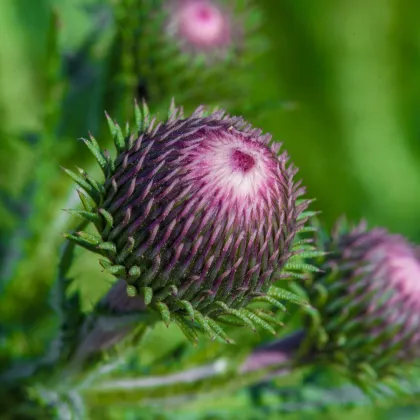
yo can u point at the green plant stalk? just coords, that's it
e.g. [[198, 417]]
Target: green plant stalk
[[117, 316], [264, 363]]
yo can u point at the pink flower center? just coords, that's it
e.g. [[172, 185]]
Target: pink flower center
[[204, 13], [400, 268], [202, 23], [236, 170], [406, 270], [242, 161]]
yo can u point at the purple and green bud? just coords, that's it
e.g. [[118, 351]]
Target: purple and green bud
[[198, 215], [368, 302]]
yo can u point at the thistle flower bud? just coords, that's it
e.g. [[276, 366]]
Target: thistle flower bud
[[369, 302], [199, 26], [171, 44], [197, 214]]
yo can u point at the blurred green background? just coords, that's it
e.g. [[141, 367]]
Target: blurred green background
[[346, 73]]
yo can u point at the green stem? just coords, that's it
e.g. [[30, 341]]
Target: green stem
[[268, 361]]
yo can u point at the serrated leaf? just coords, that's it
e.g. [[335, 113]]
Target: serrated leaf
[[86, 200], [278, 293], [164, 312], [134, 271], [259, 321], [108, 246], [308, 254], [99, 155], [236, 313], [109, 220], [81, 242], [147, 293], [137, 116], [187, 330], [119, 139], [83, 184], [218, 330], [293, 275], [307, 214], [85, 215], [116, 270], [88, 237], [302, 267], [270, 300], [202, 320], [188, 307]]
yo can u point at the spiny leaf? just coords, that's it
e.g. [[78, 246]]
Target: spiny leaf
[[119, 140], [278, 293], [81, 242], [137, 116], [109, 220], [86, 200], [112, 125], [237, 314], [116, 270], [93, 146], [166, 291], [199, 317], [83, 184], [308, 254], [127, 250], [267, 317], [257, 320], [134, 272], [85, 215], [92, 239], [145, 120], [308, 229], [95, 184], [147, 293], [271, 300], [293, 275], [164, 312], [108, 246], [188, 307], [187, 330], [302, 267], [307, 214], [218, 329]]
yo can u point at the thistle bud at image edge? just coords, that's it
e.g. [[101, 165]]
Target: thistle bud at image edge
[[368, 298]]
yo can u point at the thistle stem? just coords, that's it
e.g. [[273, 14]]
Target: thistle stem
[[275, 353], [116, 317], [266, 362]]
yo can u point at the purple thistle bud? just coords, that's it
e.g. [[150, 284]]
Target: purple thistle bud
[[198, 214], [371, 306], [199, 25]]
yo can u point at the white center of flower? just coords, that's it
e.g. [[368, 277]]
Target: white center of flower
[[234, 169], [201, 22]]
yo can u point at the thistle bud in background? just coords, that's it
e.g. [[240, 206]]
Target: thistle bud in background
[[201, 26], [172, 44], [198, 215], [368, 303]]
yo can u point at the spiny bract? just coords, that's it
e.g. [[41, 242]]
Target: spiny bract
[[368, 300], [198, 214]]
